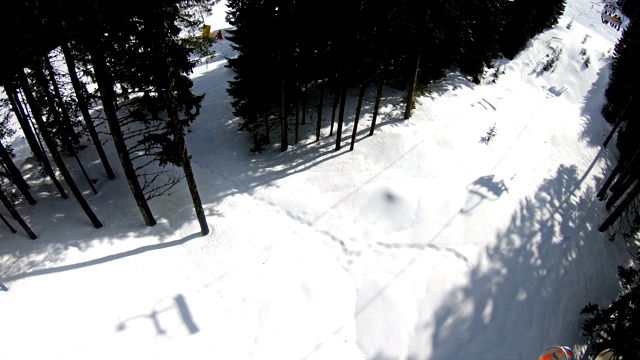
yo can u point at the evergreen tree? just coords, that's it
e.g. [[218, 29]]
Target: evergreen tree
[[617, 326], [624, 85], [479, 26], [526, 19]]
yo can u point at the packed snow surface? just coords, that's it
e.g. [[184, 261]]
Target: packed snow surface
[[425, 242]]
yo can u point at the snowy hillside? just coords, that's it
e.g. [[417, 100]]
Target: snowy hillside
[[423, 243]]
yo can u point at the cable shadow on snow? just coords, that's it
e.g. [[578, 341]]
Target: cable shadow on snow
[[546, 255], [8, 275]]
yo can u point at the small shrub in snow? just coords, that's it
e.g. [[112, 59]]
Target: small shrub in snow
[[584, 40], [552, 62], [587, 62], [491, 133], [570, 25], [496, 73]]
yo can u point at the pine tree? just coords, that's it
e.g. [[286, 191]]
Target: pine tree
[[51, 145], [81, 98], [617, 326]]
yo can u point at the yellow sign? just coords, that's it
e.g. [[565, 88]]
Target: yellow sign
[[206, 31]]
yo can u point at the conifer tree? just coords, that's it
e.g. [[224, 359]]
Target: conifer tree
[[81, 98], [51, 145]]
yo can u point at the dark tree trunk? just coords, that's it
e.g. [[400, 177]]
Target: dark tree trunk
[[7, 223], [297, 121], [64, 114], [105, 84], [622, 178], [267, 129], [191, 183], [24, 124], [57, 158], [336, 100], [12, 210], [284, 136], [607, 183], [619, 210], [376, 107], [181, 145], [59, 119], [16, 176], [363, 88], [621, 190], [320, 106], [304, 104], [619, 121], [343, 100], [411, 90], [84, 109], [34, 144]]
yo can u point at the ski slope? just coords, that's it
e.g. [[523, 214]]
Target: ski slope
[[422, 243]]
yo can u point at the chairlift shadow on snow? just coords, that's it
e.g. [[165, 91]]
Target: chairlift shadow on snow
[[170, 318], [482, 189]]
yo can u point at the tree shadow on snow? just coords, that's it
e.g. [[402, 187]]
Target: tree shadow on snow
[[522, 297], [594, 127]]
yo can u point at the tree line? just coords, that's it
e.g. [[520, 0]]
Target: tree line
[[295, 56], [138, 51], [616, 326]]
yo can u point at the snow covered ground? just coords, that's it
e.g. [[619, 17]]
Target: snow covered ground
[[422, 243]]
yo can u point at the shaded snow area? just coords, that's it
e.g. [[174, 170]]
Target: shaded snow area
[[425, 242]]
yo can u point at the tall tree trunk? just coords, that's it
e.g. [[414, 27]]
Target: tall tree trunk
[[78, 88], [622, 178], [7, 223], [24, 123], [267, 129], [33, 142], [320, 106], [105, 84], [376, 106], [297, 121], [178, 136], [64, 114], [284, 135], [191, 183], [343, 100], [608, 182], [363, 88], [619, 210], [57, 158], [619, 121], [621, 190], [304, 104], [59, 119], [186, 166], [336, 100], [16, 176], [411, 90], [12, 210]]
